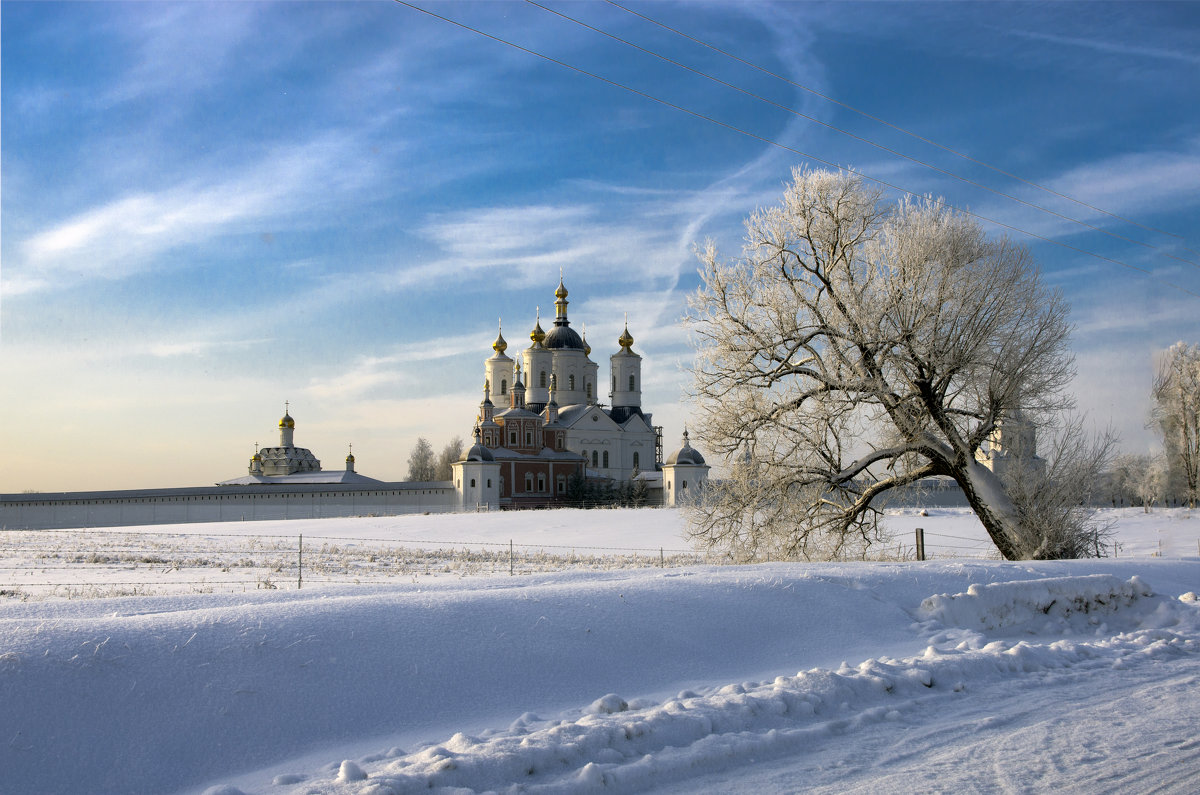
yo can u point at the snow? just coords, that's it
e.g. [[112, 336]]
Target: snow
[[610, 674]]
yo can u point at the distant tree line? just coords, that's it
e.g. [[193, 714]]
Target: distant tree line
[[424, 466]]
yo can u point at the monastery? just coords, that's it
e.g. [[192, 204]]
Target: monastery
[[546, 439]]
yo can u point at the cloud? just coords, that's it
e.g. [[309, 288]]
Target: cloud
[[129, 234], [180, 48], [1111, 47]]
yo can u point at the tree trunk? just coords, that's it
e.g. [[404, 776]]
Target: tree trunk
[[987, 497]]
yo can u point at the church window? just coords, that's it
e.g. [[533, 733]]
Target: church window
[[503, 386], [512, 437], [606, 459], [542, 379], [595, 459], [489, 483], [571, 381], [562, 484], [589, 390], [635, 459], [541, 481], [528, 438], [631, 382], [614, 384], [683, 484], [528, 481], [472, 482]]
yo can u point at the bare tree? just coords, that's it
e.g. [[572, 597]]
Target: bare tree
[[450, 453], [857, 347], [1177, 413], [421, 467]]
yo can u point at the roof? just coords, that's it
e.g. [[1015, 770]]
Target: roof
[[321, 476]]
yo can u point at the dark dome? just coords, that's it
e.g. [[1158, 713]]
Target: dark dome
[[686, 454], [563, 337], [479, 453]]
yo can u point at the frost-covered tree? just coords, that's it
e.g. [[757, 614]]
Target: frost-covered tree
[[856, 347], [421, 465], [450, 453], [1177, 413]]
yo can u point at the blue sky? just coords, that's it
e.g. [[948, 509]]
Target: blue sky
[[209, 209]]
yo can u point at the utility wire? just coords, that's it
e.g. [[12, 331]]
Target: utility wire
[[785, 147], [895, 127], [862, 139]]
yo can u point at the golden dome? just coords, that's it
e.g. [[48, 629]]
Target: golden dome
[[561, 292], [500, 345], [537, 335], [587, 349], [287, 421], [626, 339]]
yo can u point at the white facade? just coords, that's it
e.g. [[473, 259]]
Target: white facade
[[684, 474], [1011, 449], [616, 441]]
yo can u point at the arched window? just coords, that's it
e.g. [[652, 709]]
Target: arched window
[[589, 390], [635, 459], [489, 483], [528, 438], [541, 481], [571, 382], [529, 481], [472, 482], [562, 484], [503, 386], [542, 379], [606, 459], [614, 384], [631, 382], [683, 484], [595, 459]]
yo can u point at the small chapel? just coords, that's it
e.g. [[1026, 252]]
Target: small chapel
[[541, 426]]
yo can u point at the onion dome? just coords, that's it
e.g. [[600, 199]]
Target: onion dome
[[626, 339], [350, 455], [686, 454], [587, 349], [478, 451], [287, 421], [537, 335], [501, 344]]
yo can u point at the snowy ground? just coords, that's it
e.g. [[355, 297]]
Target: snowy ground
[[595, 670]]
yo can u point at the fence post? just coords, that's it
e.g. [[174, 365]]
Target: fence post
[[662, 561], [510, 558], [920, 543], [300, 564]]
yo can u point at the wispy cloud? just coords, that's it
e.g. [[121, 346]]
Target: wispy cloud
[[1111, 47], [180, 48], [130, 234]]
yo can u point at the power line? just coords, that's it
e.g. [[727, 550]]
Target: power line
[[895, 127], [861, 138], [785, 147]]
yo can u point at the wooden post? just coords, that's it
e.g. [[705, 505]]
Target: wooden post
[[510, 558], [300, 564], [920, 543], [662, 561]]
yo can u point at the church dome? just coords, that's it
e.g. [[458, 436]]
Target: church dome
[[564, 337], [287, 421], [686, 454], [478, 452]]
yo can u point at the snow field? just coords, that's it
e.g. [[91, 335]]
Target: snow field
[[620, 746], [630, 679]]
